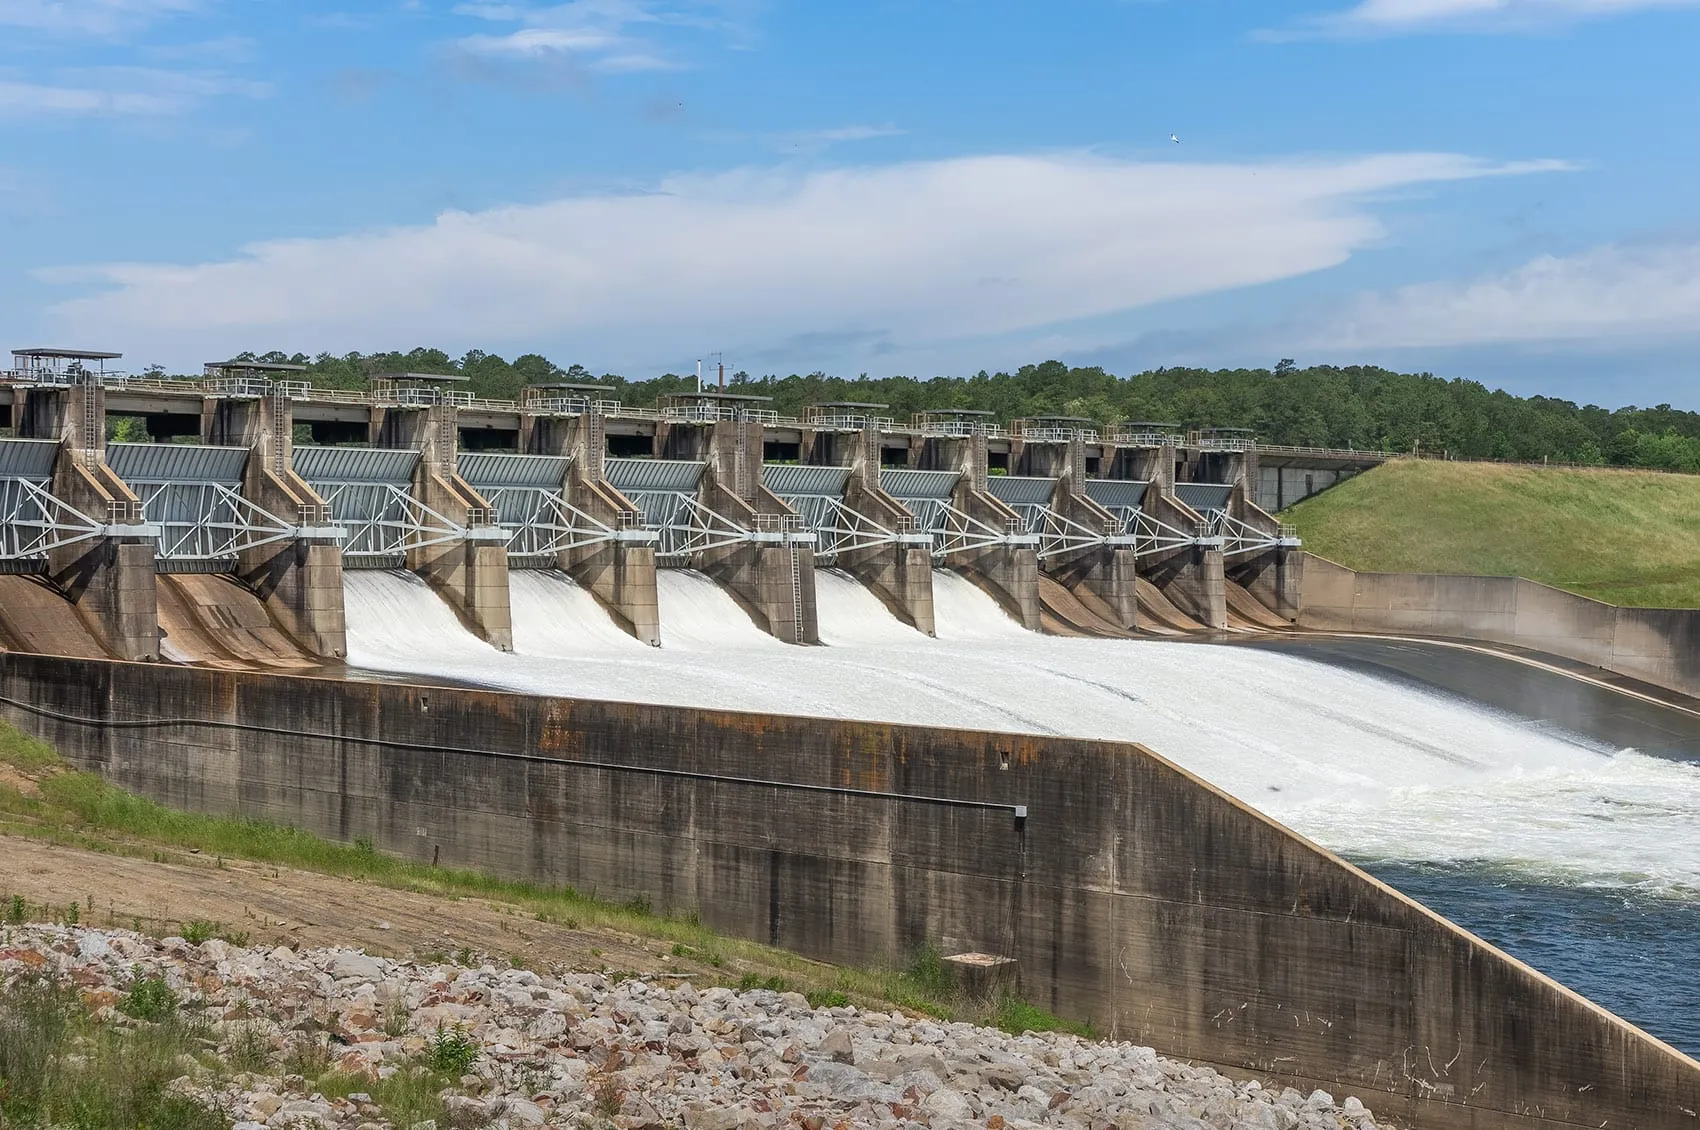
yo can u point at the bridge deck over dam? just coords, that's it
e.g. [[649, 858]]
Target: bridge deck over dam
[[256, 476]]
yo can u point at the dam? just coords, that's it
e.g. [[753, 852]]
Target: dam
[[997, 609]]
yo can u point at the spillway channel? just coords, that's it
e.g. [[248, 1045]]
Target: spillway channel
[[1451, 798]]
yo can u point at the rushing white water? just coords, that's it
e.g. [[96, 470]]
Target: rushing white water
[[1368, 767]]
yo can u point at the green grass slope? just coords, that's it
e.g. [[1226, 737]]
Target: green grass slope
[[1626, 537]]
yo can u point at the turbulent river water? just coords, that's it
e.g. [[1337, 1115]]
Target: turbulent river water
[[1571, 840]]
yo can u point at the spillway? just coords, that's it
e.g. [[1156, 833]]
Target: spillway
[[1370, 767]]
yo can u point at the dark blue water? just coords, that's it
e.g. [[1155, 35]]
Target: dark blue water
[[1637, 955], [1633, 952]]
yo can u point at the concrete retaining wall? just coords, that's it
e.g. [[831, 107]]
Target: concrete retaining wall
[[1660, 646], [1131, 893]]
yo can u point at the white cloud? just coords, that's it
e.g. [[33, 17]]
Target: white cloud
[[817, 139], [90, 17], [1391, 17], [917, 253], [1609, 292], [118, 92], [610, 36]]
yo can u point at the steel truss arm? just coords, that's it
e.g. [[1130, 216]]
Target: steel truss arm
[[954, 531], [1151, 535], [1059, 534], [203, 521], [840, 529], [33, 523], [388, 520], [685, 526], [541, 522], [1241, 537]]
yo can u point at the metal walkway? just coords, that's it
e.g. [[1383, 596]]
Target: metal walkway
[[527, 492], [817, 495]]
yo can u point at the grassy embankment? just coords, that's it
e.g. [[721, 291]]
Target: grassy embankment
[[1625, 537], [43, 798]]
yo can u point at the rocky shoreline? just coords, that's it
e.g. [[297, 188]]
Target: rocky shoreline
[[289, 1038]]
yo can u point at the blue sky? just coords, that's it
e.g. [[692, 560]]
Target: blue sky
[[1499, 189]]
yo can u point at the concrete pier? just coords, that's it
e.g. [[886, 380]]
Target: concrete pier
[[1258, 557], [771, 572], [298, 579], [620, 574], [1189, 576], [1103, 576], [773, 577], [1008, 571], [899, 573], [471, 572], [109, 578]]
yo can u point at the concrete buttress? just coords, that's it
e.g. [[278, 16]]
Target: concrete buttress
[[772, 577], [620, 575], [108, 578], [900, 574], [470, 573], [1009, 572], [1102, 576], [299, 580]]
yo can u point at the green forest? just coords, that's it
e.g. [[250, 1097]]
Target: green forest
[[1323, 405]]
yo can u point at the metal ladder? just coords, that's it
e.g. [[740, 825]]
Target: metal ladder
[[595, 443], [279, 440], [94, 420], [796, 597], [740, 475]]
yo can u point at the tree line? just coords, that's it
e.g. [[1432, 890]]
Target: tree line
[[1317, 406]]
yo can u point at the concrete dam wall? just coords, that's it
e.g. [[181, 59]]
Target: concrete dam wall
[[1660, 646], [1131, 892]]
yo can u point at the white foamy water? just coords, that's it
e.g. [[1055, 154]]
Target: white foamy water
[[1368, 767]]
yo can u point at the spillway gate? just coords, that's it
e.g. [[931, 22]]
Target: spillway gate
[[34, 522], [1235, 537], [1032, 498], [928, 495], [539, 522], [1149, 535], [668, 494], [369, 491], [817, 495], [192, 493]]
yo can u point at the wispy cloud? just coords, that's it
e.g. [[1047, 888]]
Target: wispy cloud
[[602, 36], [913, 253], [1608, 292], [101, 18], [813, 140], [1372, 18], [118, 92]]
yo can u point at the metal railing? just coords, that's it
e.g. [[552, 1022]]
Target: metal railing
[[243, 388], [1340, 453], [1208, 441], [847, 422], [960, 429], [712, 413], [1144, 439]]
